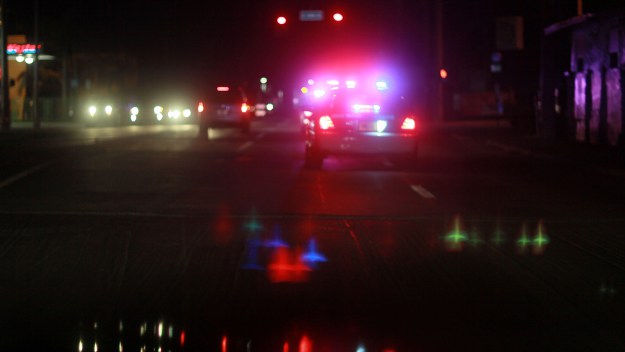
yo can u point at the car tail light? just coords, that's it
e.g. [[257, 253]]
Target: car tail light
[[200, 107], [308, 113], [245, 107], [325, 122], [409, 124]]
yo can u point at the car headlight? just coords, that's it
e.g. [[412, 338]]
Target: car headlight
[[186, 113], [108, 110], [92, 110], [134, 110]]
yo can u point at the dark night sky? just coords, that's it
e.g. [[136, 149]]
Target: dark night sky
[[194, 40]]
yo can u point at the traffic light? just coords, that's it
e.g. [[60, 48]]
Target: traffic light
[[338, 17], [281, 20], [443, 73]]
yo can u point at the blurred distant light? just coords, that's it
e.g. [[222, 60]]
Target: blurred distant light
[[80, 347], [263, 80], [285, 347], [308, 113], [311, 82], [159, 116], [19, 58], [224, 344], [350, 84], [133, 118], [269, 107], [381, 85], [134, 110], [360, 349], [158, 110], [443, 73], [333, 82], [95, 347], [281, 20], [244, 107], [186, 112], [304, 90], [182, 338], [92, 110], [337, 17], [223, 89], [200, 107], [160, 329], [29, 59], [319, 93], [121, 347], [108, 110], [325, 122]]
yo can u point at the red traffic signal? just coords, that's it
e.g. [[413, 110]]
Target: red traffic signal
[[338, 17]]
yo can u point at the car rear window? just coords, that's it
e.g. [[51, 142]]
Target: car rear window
[[232, 96]]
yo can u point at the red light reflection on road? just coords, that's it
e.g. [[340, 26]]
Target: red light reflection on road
[[224, 344], [285, 347], [223, 226], [305, 344], [287, 266]]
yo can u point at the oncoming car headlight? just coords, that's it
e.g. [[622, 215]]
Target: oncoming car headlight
[[92, 110]]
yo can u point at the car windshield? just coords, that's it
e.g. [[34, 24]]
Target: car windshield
[[314, 175]]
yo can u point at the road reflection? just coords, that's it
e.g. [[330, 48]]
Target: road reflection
[[458, 238]]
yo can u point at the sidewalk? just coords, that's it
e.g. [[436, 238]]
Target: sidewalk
[[500, 135]]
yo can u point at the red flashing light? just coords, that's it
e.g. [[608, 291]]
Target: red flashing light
[[281, 20], [337, 17]]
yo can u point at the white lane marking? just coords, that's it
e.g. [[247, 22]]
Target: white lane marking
[[245, 146], [422, 191], [24, 173]]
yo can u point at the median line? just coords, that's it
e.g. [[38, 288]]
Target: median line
[[245, 146], [25, 173], [422, 191]]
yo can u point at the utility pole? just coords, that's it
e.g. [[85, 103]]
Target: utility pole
[[36, 120], [440, 53], [5, 110]]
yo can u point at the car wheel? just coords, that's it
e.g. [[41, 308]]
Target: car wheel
[[314, 159]]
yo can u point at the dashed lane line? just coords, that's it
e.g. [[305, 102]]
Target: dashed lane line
[[25, 173], [422, 191]]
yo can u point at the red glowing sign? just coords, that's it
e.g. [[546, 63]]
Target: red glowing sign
[[19, 49]]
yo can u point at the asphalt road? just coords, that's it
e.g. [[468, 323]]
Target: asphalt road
[[150, 237]]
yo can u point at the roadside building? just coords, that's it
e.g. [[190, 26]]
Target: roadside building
[[583, 70]]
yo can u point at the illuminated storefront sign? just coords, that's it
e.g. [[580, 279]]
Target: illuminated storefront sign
[[22, 49]]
